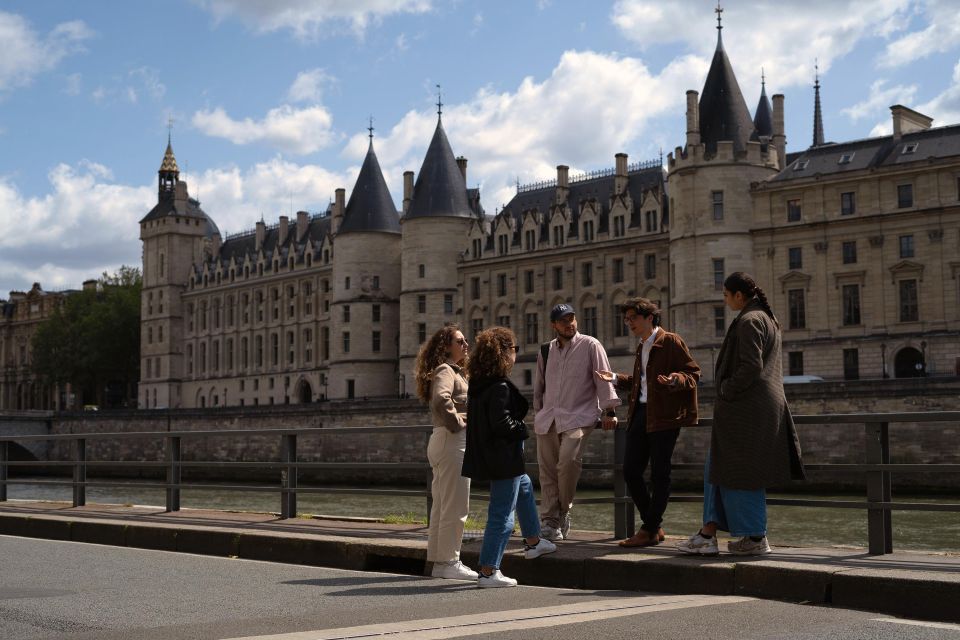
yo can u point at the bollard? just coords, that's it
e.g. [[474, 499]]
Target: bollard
[[623, 513], [80, 473], [879, 519], [173, 472], [288, 476]]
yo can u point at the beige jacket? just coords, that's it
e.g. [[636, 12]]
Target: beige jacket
[[448, 398]]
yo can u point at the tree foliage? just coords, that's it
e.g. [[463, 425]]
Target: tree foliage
[[93, 338]]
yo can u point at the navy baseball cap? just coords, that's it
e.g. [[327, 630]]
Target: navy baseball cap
[[560, 310]]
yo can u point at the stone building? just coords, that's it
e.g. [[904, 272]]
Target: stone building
[[855, 243]]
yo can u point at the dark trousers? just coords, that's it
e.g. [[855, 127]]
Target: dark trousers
[[655, 449]]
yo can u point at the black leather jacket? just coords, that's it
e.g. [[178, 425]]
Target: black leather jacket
[[495, 430]]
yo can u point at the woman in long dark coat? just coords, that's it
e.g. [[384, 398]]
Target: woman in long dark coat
[[754, 443]]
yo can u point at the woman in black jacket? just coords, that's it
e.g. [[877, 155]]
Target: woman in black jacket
[[495, 435]]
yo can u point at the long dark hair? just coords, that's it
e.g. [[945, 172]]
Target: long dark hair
[[740, 282]]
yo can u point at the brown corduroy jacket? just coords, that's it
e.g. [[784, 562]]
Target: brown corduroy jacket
[[668, 406]]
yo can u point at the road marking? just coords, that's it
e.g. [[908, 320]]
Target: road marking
[[502, 621], [920, 623]]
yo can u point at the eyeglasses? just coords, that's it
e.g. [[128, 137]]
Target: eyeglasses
[[515, 347]]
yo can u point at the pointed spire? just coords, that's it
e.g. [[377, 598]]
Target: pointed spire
[[763, 116], [371, 206], [817, 115], [440, 190], [723, 111], [439, 103]]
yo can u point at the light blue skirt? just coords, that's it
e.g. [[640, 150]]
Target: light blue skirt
[[742, 513]]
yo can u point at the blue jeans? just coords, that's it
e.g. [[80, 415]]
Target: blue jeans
[[507, 496], [739, 511]]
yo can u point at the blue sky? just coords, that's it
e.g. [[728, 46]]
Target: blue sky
[[270, 98]]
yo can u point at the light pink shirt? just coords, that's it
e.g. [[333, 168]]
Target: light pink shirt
[[573, 394]]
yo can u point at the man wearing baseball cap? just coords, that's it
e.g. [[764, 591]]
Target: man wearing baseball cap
[[568, 399]]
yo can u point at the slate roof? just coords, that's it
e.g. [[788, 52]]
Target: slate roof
[[239, 246], [371, 206], [723, 111], [763, 117], [941, 142], [440, 190], [167, 207]]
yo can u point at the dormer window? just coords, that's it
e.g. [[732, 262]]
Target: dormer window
[[910, 148], [846, 158], [800, 165]]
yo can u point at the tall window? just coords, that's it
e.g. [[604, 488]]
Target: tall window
[[229, 354], [851, 364], [909, 307], [904, 196], [475, 288], [851, 304], [274, 349], [619, 227], [848, 203], [189, 359], [906, 246], [476, 326], [795, 363], [476, 246], [557, 278], [530, 239], [717, 198], [501, 284], [590, 321], [376, 342], [588, 231], [617, 270], [719, 321], [650, 266], [375, 313], [308, 345], [718, 276], [376, 282], [422, 270], [244, 353], [421, 332], [346, 342], [530, 326], [797, 306], [502, 243], [528, 281], [448, 303], [651, 217], [558, 236], [346, 282], [850, 252], [346, 313], [586, 274], [503, 321], [203, 358], [421, 304], [620, 329], [793, 210], [291, 351], [795, 258], [325, 343], [258, 347]]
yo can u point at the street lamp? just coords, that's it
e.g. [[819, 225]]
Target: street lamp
[[401, 385], [883, 361], [923, 358]]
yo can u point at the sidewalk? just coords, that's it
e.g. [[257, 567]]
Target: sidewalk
[[916, 585]]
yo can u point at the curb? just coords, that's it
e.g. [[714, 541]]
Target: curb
[[918, 594]]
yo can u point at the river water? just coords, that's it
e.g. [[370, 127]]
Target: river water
[[913, 530]]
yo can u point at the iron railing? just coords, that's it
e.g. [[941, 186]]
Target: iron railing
[[877, 469]]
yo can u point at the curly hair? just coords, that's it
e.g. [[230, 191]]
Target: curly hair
[[490, 357], [433, 353], [740, 282]]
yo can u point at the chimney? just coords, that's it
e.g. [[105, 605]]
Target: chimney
[[338, 209], [779, 136], [693, 118], [217, 242], [284, 227], [89, 285], [407, 190], [906, 120], [462, 163], [261, 233], [620, 174], [180, 196], [563, 183], [303, 221]]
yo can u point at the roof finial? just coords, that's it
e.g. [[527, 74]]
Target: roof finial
[[816, 73], [818, 138], [718, 11], [169, 128], [370, 129], [763, 79], [439, 102]]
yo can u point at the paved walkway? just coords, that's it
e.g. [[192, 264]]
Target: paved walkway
[[919, 585]]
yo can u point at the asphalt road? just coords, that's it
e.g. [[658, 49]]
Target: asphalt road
[[51, 589]]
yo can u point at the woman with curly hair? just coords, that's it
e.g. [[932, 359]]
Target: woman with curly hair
[[495, 435], [442, 385]]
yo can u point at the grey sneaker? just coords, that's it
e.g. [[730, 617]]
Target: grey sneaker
[[565, 526], [699, 546], [550, 533], [495, 579], [747, 547]]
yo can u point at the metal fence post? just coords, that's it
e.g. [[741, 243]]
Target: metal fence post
[[173, 472], [4, 458], [288, 476], [429, 475], [623, 514], [80, 472], [879, 489]]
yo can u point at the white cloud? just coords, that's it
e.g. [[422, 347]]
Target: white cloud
[[308, 19], [945, 108], [881, 97], [308, 86], [590, 107], [73, 84], [782, 37], [941, 34], [149, 79], [299, 131], [27, 54]]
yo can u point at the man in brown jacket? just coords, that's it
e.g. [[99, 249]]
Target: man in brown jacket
[[663, 398]]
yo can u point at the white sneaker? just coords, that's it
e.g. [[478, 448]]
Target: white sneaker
[[550, 533], [747, 547], [565, 526], [698, 545], [495, 579], [453, 571], [542, 548]]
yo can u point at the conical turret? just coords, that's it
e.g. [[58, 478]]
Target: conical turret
[[370, 207], [723, 111], [440, 190], [763, 117]]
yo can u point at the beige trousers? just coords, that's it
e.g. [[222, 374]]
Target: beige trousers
[[560, 457], [451, 495]]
